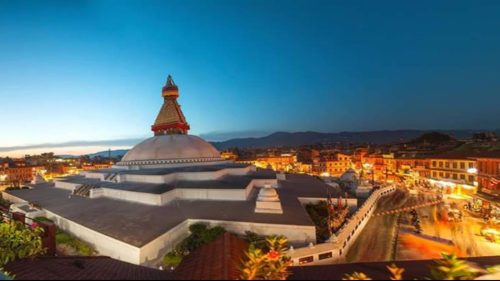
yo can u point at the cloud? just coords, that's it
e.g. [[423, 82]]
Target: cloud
[[72, 148], [223, 136]]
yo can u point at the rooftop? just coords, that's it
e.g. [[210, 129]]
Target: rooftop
[[138, 224], [82, 268]]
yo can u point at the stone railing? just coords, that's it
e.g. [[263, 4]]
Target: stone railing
[[340, 243]]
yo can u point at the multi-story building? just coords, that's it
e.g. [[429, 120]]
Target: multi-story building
[[381, 166], [336, 165], [488, 173], [21, 174], [96, 166], [283, 162], [458, 173], [419, 166]]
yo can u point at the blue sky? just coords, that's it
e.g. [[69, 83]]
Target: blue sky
[[93, 70]]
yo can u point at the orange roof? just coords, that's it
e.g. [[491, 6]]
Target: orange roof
[[219, 260]]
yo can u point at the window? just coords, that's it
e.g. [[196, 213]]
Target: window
[[440, 164], [471, 165], [462, 177], [447, 164], [433, 163], [305, 260], [455, 165], [462, 165], [447, 175], [325, 256], [471, 178], [455, 176], [441, 174]]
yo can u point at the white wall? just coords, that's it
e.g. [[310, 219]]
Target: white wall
[[347, 235], [66, 185], [105, 245]]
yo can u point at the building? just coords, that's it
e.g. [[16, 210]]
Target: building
[[18, 175], [142, 207], [229, 155], [336, 165], [382, 167], [456, 174], [488, 173], [284, 162]]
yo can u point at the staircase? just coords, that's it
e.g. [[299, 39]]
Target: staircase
[[111, 177], [84, 190]]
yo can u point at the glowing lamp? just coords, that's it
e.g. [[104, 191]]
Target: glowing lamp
[[472, 171]]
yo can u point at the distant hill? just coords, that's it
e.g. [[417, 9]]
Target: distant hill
[[433, 138], [104, 154], [309, 138]]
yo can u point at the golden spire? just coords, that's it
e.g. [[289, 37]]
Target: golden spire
[[170, 89]]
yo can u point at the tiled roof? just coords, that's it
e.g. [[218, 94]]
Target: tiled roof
[[82, 268], [219, 260]]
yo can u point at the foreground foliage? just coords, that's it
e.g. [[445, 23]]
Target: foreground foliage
[[267, 265], [18, 242], [448, 268]]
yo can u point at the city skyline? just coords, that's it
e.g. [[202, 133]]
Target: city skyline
[[99, 76]]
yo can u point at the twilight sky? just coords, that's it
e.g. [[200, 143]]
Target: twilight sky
[[74, 71]]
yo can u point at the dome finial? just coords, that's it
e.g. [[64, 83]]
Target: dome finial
[[170, 81]]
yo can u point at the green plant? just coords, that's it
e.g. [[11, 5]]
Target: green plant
[[200, 235], [258, 241], [267, 265], [452, 268], [356, 276], [17, 242], [172, 259], [63, 238]]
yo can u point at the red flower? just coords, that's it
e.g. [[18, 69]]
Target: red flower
[[34, 225], [273, 255]]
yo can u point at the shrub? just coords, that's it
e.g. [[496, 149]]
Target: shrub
[[201, 234], [63, 238], [172, 259], [267, 265], [18, 241]]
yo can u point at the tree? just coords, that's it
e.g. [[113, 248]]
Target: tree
[[267, 265], [18, 242]]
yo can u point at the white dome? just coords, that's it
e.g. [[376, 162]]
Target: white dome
[[184, 148]]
